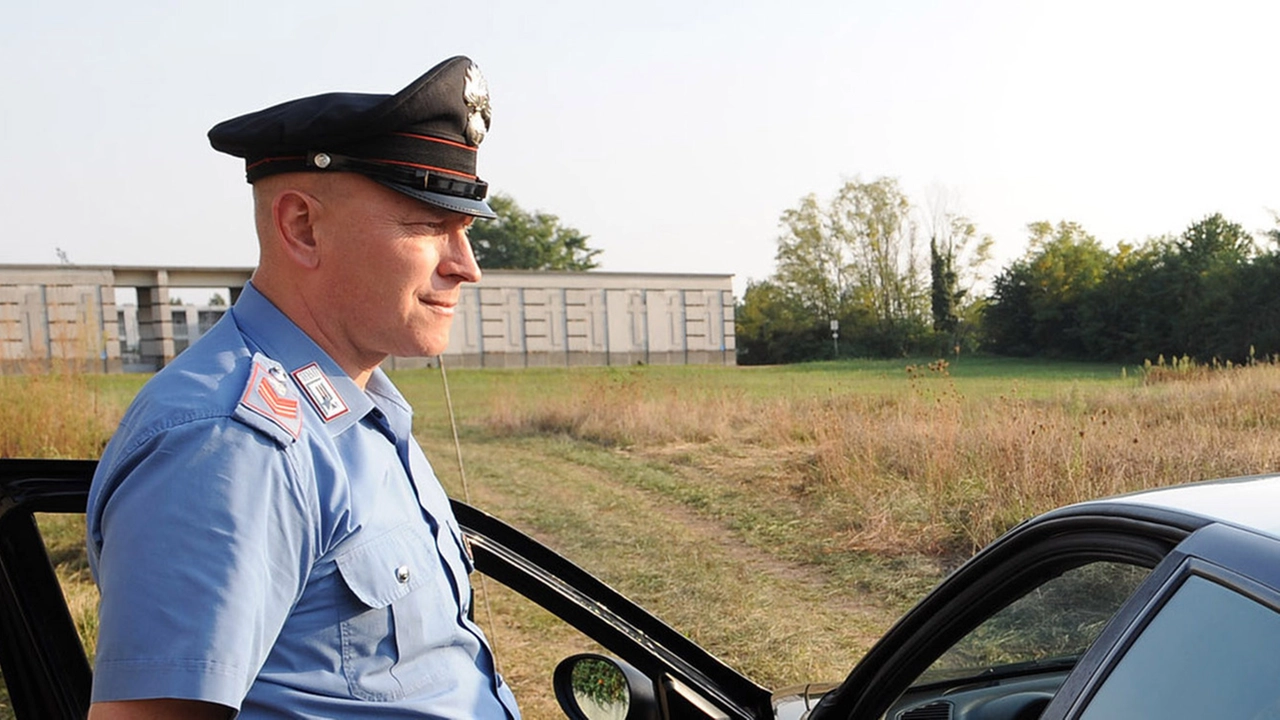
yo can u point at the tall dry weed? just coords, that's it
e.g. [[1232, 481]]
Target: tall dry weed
[[929, 470], [620, 410], [54, 415]]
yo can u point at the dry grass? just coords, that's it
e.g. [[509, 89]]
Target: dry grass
[[56, 415], [622, 410], [782, 517], [930, 470]]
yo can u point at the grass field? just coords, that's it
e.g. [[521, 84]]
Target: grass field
[[783, 517]]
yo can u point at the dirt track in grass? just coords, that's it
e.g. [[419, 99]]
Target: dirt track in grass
[[779, 622]]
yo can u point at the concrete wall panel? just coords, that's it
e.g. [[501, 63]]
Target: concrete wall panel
[[511, 319]]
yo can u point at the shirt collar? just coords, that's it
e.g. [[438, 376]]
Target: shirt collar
[[388, 399], [277, 337]]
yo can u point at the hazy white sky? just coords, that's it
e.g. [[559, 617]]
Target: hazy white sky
[[673, 133]]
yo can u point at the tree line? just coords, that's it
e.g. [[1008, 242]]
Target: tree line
[[1208, 293], [850, 281]]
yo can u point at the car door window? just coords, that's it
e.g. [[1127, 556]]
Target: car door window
[[1049, 626], [1210, 652]]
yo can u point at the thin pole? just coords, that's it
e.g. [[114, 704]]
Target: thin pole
[[466, 495]]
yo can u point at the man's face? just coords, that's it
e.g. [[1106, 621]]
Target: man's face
[[395, 266]]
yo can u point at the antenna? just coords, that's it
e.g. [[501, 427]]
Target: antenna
[[466, 496]]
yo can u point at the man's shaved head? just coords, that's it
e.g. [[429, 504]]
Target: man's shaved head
[[265, 191]]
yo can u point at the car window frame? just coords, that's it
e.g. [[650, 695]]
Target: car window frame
[[1006, 570], [1228, 556], [42, 659], [1027, 658]]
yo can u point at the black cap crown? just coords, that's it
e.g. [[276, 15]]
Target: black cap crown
[[421, 141]]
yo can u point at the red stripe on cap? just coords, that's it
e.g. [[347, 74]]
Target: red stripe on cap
[[442, 141], [425, 167], [253, 165]]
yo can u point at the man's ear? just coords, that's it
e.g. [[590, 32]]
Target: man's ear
[[295, 213]]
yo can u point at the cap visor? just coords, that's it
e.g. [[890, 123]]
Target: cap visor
[[466, 206]]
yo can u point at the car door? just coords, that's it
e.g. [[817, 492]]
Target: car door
[[48, 676], [689, 681], [999, 637]]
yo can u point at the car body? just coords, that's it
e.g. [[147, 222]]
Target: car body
[[1160, 604]]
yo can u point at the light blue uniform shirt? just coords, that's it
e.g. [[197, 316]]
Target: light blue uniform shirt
[[269, 537]]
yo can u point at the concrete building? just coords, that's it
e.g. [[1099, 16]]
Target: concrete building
[[67, 316]]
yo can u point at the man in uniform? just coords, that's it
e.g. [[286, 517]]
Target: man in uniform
[[266, 533]]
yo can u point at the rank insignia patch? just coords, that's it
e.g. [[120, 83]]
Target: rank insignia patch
[[320, 391], [268, 394]]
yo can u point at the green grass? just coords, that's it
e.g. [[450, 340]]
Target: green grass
[[479, 395], [766, 380]]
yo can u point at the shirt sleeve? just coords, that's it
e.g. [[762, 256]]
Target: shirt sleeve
[[205, 537]]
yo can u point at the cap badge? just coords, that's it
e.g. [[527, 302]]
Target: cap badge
[[475, 93]]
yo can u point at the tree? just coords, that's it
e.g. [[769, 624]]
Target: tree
[[775, 326], [812, 261], [874, 221], [1206, 264], [855, 261], [520, 240], [1215, 241], [944, 296], [1008, 325], [957, 254], [1273, 234], [1117, 319], [1036, 302]]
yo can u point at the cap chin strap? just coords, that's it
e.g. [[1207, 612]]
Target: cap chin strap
[[414, 177]]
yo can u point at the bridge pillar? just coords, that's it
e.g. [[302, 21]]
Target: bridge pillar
[[155, 322]]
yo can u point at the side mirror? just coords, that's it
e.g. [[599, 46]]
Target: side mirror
[[595, 687]]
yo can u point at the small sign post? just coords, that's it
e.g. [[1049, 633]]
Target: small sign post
[[835, 336]]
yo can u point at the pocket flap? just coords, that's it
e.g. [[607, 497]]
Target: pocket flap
[[387, 568]]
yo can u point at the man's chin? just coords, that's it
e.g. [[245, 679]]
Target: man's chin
[[432, 347], [432, 339]]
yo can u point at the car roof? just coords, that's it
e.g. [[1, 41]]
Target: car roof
[[1247, 502]]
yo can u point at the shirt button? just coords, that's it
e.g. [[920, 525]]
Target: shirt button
[[402, 574]]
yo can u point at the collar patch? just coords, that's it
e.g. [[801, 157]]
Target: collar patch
[[320, 391], [267, 394]]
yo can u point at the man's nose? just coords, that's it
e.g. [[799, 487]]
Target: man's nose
[[460, 260]]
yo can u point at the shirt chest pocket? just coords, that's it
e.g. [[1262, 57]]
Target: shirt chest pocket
[[402, 614]]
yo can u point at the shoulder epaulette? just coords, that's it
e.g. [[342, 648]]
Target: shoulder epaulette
[[270, 401]]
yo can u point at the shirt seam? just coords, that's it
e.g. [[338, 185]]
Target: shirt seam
[[220, 668], [165, 423]]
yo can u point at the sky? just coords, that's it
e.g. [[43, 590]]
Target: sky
[[673, 133]]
